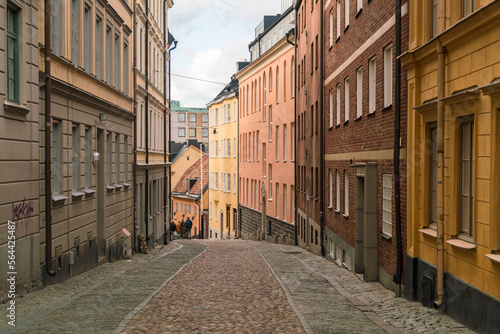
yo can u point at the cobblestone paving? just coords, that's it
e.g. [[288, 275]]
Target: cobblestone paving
[[98, 300], [229, 289], [376, 302]]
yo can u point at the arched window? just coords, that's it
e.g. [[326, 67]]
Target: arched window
[[277, 84], [284, 81], [248, 101], [293, 76], [270, 79]]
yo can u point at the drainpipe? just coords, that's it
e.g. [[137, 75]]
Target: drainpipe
[[397, 130], [134, 232], [48, 141], [164, 126], [169, 127], [146, 195], [322, 144], [440, 173]]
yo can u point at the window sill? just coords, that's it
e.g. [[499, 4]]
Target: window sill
[[358, 13], [461, 244], [76, 193], [316, 199], [429, 231], [358, 118], [118, 186], [329, 207], [493, 257], [15, 107], [345, 215], [346, 28], [337, 125], [126, 185], [58, 198], [270, 199], [387, 107], [89, 191], [338, 37], [370, 113], [385, 236], [110, 187], [330, 128], [346, 122], [337, 211], [330, 48]]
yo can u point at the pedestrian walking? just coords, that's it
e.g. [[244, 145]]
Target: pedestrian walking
[[189, 226], [183, 229], [173, 229]]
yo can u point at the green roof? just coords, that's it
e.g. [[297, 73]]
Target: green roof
[[176, 107]]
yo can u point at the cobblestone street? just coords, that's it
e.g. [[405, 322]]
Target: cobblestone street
[[223, 287]]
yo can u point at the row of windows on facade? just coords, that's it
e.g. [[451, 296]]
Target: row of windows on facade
[[186, 208], [225, 146], [267, 44], [314, 236], [250, 144], [181, 117], [225, 114], [181, 132], [225, 182], [213, 213], [302, 16], [250, 196], [335, 100], [156, 123], [253, 97], [102, 34], [115, 178]]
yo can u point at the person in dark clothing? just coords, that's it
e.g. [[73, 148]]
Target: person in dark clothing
[[173, 228], [183, 229], [189, 226]]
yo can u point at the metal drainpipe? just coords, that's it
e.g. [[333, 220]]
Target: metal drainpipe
[[48, 161], [134, 232], [146, 195], [397, 130], [164, 127], [440, 173], [322, 145], [169, 127]]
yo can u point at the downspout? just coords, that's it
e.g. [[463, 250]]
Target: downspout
[[397, 130], [164, 126], [146, 195], [322, 143], [135, 227], [48, 141], [169, 130], [440, 173]]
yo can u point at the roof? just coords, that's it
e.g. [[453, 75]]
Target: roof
[[231, 88], [193, 172]]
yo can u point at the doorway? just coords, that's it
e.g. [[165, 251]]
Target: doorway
[[228, 221], [221, 223]]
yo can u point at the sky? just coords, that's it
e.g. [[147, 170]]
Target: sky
[[212, 36]]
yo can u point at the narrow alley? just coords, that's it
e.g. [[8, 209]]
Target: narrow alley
[[231, 286]]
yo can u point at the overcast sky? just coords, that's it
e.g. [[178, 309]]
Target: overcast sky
[[213, 35]]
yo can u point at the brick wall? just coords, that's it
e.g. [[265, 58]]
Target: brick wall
[[251, 222]]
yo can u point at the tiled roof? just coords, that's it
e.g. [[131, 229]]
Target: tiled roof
[[193, 172]]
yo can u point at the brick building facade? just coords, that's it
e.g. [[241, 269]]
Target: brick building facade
[[359, 99]]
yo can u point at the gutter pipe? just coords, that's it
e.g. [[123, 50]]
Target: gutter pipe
[[397, 131], [146, 195], [164, 128], [135, 227], [322, 144], [169, 130], [48, 160]]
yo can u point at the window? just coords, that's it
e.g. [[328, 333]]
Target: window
[[217, 148], [117, 158], [466, 180], [338, 104], [277, 84], [346, 193], [86, 39], [182, 132], [192, 133], [277, 143], [293, 141], [181, 117], [192, 118], [75, 16], [270, 181], [125, 69], [285, 139], [387, 204], [12, 54], [204, 132], [216, 116], [338, 19], [331, 27], [317, 53], [125, 159], [468, 6], [330, 205], [347, 12], [264, 160], [56, 157], [337, 193], [270, 123], [234, 183], [234, 111], [55, 27], [216, 204], [108, 159], [346, 101], [312, 57], [388, 76], [433, 176], [75, 156], [234, 147], [228, 183], [292, 190], [204, 118], [360, 5], [98, 47], [331, 107], [359, 92], [109, 45], [372, 79], [88, 156], [277, 200], [117, 62], [434, 17]]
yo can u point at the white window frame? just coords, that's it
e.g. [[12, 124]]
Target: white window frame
[[346, 13], [338, 19], [331, 108], [337, 193], [359, 92], [346, 99], [388, 75], [346, 193], [331, 189], [338, 104], [387, 204], [372, 88], [331, 28]]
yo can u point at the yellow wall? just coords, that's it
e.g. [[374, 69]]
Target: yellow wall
[[472, 63], [182, 164], [223, 165]]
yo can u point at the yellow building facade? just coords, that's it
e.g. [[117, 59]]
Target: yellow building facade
[[453, 248], [223, 163]]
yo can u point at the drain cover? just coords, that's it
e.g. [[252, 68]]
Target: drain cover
[[292, 252]]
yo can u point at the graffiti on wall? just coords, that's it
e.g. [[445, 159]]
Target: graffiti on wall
[[21, 212]]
